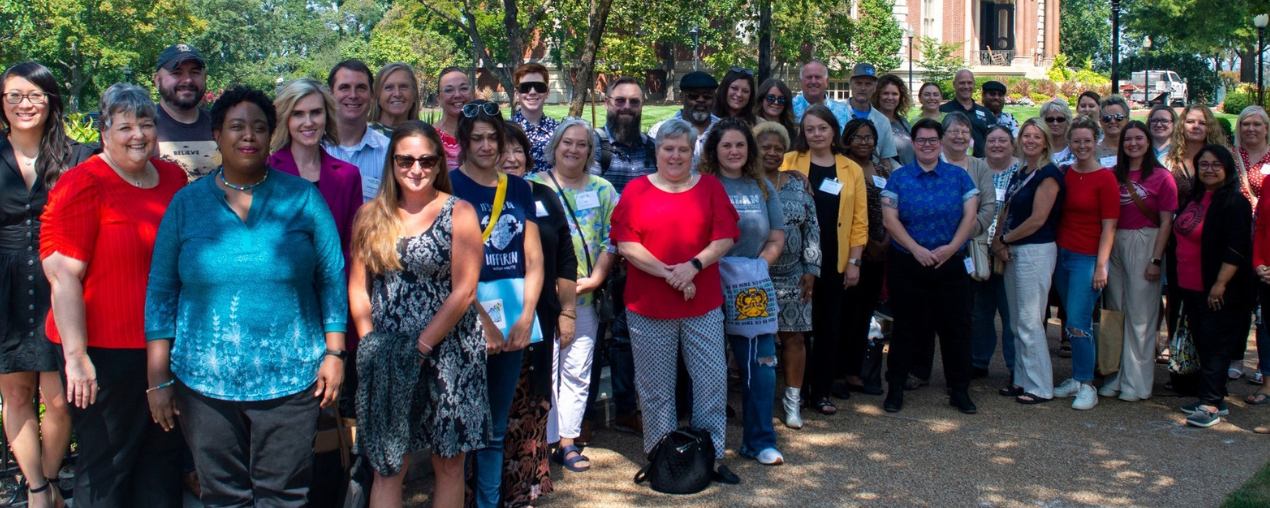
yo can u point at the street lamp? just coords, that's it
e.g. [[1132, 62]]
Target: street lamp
[[908, 30], [695, 33], [1115, 46], [1146, 71], [127, 74], [1260, 20]]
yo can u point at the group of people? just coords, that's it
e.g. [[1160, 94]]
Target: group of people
[[461, 279]]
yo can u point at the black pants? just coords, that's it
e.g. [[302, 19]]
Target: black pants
[[828, 325], [1216, 333], [927, 301], [859, 302], [251, 453], [125, 459]]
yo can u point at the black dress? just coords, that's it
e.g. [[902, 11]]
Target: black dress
[[25, 296]]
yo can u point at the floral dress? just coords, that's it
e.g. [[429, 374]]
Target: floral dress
[[801, 255], [446, 408]]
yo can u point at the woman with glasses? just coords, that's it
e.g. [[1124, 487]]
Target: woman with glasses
[[530, 81], [1086, 230], [396, 94], [735, 96], [513, 251], [1161, 120], [34, 152], [421, 361], [1215, 276], [773, 105], [892, 99], [454, 91], [1057, 117], [930, 97], [1115, 114]]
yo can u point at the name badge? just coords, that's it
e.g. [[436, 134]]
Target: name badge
[[541, 210], [1000, 195], [879, 182], [1108, 161], [970, 264], [831, 186], [980, 114], [587, 200], [1265, 169]]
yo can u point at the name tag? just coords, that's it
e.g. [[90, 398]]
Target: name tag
[[879, 182], [587, 200], [1108, 161], [831, 186], [1265, 169], [980, 114], [970, 264], [1000, 195], [541, 210]]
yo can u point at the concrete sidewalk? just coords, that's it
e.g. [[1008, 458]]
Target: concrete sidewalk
[[1118, 455]]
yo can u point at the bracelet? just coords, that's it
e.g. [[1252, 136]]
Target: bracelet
[[575, 318], [161, 386], [425, 344]]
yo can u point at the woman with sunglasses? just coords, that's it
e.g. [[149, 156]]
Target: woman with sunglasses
[[454, 91], [930, 97], [1115, 114], [735, 96], [1161, 120], [513, 250], [530, 81], [773, 105], [892, 99], [421, 361], [1057, 116]]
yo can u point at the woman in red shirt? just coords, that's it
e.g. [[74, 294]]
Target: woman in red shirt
[[97, 241], [1086, 230], [672, 227]]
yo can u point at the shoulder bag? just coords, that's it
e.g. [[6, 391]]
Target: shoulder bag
[[504, 299], [680, 463], [603, 300], [1152, 215], [998, 264]]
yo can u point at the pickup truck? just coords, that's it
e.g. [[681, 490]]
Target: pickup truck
[[1155, 87]]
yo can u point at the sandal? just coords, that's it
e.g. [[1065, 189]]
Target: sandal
[[1256, 379], [1234, 373], [1010, 391], [571, 463], [825, 407], [1258, 399], [1065, 350], [1030, 399], [1164, 357], [38, 490]]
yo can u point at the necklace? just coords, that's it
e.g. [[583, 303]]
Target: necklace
[[129, 177], [673, 185], [242, 187]]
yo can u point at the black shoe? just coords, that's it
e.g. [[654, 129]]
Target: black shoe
[[961, 401], [725, 475], [894, 400], [978, 373], [840, 391]]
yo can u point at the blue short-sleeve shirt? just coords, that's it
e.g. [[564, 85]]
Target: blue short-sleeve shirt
[[930, 202]]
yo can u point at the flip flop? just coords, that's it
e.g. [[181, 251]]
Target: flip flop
[[562, 457], [1010, 391], [1234, 373], [1031, 399], [1258, 399]]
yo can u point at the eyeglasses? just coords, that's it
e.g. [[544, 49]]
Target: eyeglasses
[[407, 162], [775, 99], [36, 98], [1160, 121], [623, 101], [742, 70], [957, 132], [1110, 118], [1210, 167], [695, 97], [1055, 119], [449, 90], [864, 139], [472, 109], [537, 86], [925, 141]]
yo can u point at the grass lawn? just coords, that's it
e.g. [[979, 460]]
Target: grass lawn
[[1254, 494]]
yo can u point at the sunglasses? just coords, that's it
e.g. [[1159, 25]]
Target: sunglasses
[[1055, 119], [1109, 118], [472, 109], [621, 102], [694, 96], [742, 70], [536, 86], [776, 99], [407, 162]]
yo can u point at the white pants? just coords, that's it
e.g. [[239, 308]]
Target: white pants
[[1130, 292], [1027, 286], [572, 380]]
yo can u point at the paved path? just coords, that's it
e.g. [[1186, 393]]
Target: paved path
[[1117, 455]]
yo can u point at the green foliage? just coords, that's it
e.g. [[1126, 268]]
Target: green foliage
[[1039, 98], [1241, 97], [877, 36], [1058, 70], [408, 33], [1085, 30], [941, 61], [1087, 75], [80, 128]]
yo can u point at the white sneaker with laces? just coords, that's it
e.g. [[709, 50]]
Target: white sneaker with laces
[[1086, 397], [1067, 389]]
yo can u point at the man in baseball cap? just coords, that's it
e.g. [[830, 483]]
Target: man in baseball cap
[[994, 99], [185, 130], [696, 89], [864, 81]]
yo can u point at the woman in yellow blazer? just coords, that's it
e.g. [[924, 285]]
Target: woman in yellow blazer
[[842, 209]]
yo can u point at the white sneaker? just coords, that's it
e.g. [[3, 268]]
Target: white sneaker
[[1106, 390], [1067, 389], [770, 457], [1086, 398], [792, 403]]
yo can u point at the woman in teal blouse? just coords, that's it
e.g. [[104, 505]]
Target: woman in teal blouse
[[245, 315]]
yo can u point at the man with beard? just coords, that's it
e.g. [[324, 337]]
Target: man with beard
[[994, 99], [864, 81], [185, 130], [815, 79], [625, 152], [359, 145], [697, 91], [981, 118]]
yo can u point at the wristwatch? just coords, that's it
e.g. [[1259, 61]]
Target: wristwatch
[[696, 263], [1156, 261], [854, 261], [338, 353]]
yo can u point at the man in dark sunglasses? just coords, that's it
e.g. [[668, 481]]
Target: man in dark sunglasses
[[697, 91], [530, 81]]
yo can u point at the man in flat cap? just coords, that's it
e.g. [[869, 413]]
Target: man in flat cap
[[994, 99], [696, 89], [185, 130]]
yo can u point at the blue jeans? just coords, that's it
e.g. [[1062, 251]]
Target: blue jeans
[[756, 359], [502, 372], [1073, 277], [990, 300]]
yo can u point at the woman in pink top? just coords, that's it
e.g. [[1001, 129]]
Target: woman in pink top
[[454, 91]]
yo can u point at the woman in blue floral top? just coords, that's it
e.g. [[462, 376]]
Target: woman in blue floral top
[[245, 313]]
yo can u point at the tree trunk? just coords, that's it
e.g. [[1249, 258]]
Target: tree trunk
[[515, 45], [671, 50], [584, 76], [764, 42], [1247, 65]]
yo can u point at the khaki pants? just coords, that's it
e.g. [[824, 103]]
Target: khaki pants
[[1130, 292]]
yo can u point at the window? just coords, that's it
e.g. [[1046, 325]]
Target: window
[[931, 10]]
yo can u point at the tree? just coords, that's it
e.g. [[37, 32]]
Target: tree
[[498, 31], [1085, 31], [876, 35], [941, 60], [1191, 26], [261, 43], [408, 33], [584, 78]]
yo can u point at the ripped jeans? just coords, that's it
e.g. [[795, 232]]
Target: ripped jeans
[[756, 359], [1074, 280]]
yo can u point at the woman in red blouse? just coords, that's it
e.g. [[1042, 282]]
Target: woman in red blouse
[[672, 227], [97, 241]]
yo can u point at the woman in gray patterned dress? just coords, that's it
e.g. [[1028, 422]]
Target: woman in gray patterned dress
[[798, 265], [416, 260]]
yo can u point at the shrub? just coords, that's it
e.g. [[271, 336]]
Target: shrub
[[1039, 98], [1240, 98], [1047, 87], [1058, 70], [946, 87], [1021, 86], [79, 127]]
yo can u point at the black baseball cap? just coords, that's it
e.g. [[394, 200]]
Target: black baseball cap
[[698, 79], [178, 53], [864, 70], [994, 86]]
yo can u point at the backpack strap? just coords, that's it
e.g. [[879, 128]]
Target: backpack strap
[[606, 150]]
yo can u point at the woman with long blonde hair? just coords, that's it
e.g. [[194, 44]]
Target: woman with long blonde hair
[[396, 97], [416, 261]]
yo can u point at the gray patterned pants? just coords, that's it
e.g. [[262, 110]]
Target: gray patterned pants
[[656, 344]]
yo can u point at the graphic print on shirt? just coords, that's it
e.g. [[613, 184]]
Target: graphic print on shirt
[[1189, 219], [504, 232], [1126, 199]]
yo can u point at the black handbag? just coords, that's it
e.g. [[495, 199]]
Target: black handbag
[[681, 462], [603, 299]]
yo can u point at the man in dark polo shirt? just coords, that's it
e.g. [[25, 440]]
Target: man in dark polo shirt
[[185, 130], [981, 118]]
